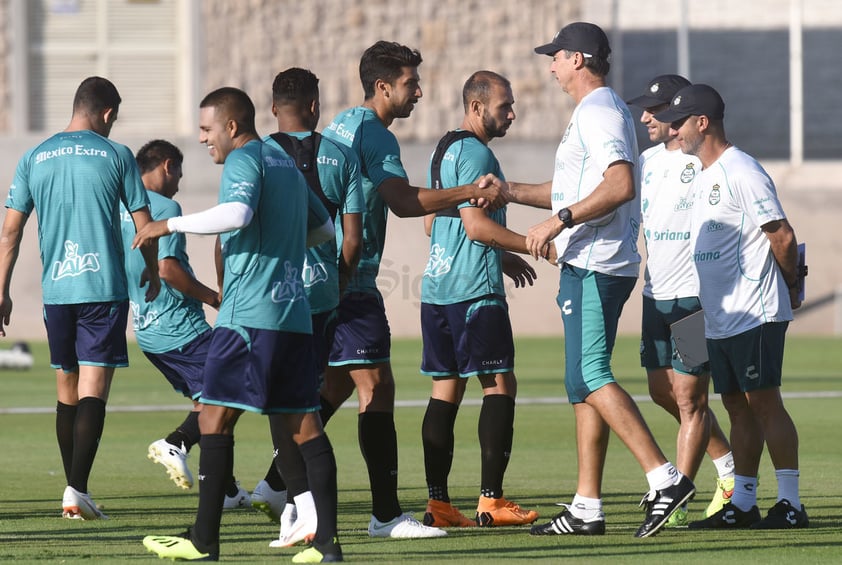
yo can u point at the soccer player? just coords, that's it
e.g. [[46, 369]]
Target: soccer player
[[75, 180], [261, 353], [670, 293], [594, 228], [360, 357], [171, 330], [745, 253], [333, 174], [464, 316]]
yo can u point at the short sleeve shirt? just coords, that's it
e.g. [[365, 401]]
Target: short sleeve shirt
[[666, 201], [601, 132], [173, 319], [380, 159], [76, 181], [459, 269], [740, 284]]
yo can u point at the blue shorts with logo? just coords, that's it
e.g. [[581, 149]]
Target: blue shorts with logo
[[263, 371], [591, 304], [752, 360], [87, 334], [467, 338], [657, 348], [362, 331], [184, 367]]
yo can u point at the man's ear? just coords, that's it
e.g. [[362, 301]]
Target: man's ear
[[233, 128], [381, 85], [108, 115], [475, 107]]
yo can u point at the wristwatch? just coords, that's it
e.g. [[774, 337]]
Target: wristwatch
[[566, 217]]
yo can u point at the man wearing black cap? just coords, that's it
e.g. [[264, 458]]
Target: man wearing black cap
[[746, 257], [671, 292], [594, 228]]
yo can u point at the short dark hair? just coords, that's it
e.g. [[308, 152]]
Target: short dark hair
[[295, 86], [96, 94], [385, 61], [233, 104], [478, 86], [596, 64], [155, 152]]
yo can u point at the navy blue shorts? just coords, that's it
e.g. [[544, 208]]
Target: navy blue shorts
[[657, 348], [362, 331], [468, 338], [263, 371], [752, 360], [183, 367], [324, 328], [87, 334]]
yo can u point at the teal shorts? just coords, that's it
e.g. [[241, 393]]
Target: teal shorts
[[752, 360], [591, 304], [657, 348]]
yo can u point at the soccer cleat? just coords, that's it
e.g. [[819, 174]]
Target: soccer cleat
[[174, 460], [77, 505], [660, 504], [440, 514], [501, 512], [174, 547], [314, 555], [678, 518], [728, 517], [239, 500], [402, 527], [565, 523], [302, 529], [783, 516], [269, 501], [721, 497]]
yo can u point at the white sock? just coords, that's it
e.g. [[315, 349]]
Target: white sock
[[586, 508], [305, 505], [662, 477], [725, 466], [745, 492], [788, 486]]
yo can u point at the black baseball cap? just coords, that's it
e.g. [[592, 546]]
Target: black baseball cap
[[660, 90], [583, 37], [693, 100]]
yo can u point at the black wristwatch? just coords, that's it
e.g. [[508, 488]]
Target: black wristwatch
[[566, 217]]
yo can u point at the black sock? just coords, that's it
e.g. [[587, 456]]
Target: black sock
[[216, 466], [289, 461], [90, 420], [327, 410], [187, 434], [437, 437], [65, 422], [495, 429], [379, 446], [232, 489], [273, 475], [321, 475]]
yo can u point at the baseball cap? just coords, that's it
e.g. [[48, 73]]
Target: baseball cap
[[693, 100], [660, 90], [586, 38]]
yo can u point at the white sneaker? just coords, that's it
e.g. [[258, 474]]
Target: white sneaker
[[239, 500], [79, 506], [174, 460], [302, 526], [404, 526], [288, 518], [270, 502]]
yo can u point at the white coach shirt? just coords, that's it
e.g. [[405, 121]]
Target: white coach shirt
[[740, 284]]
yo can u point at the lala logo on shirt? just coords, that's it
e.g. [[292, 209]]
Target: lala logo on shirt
[[74, 264]]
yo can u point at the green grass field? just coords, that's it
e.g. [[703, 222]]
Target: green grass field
[[140, 500]]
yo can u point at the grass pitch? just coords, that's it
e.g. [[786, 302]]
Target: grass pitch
[[140, 500]]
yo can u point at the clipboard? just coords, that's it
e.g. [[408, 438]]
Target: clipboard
[[688, 335]]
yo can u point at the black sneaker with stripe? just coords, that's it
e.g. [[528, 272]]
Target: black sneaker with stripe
[[565, 523], [783, 516], [728, 517], [660, 504]]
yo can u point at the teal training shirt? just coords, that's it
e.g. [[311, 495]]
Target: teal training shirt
[[339, 174], [75, 182], [173, 319], [262, 285], [460, 269], [380, 159]]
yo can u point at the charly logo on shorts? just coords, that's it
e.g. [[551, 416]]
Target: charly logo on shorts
[[714, 197], [291, 288], [74, 264], [688, 174]]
